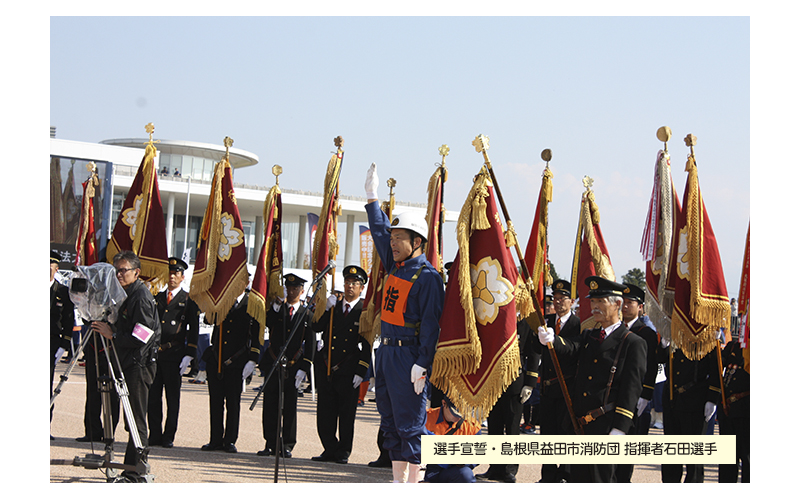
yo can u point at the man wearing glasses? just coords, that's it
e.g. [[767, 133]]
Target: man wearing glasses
[[136, 335]]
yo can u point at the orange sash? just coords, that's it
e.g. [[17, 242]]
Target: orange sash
[[395, 298]]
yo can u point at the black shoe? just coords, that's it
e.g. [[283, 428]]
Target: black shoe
[[87, 439], [286, 454], [211, 447], [323, 458], [509, 478], [229, 448], [488, 476], [341, 460], [266, 452], [380, 463], [167, 444]]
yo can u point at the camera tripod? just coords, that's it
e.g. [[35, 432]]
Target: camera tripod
[[139, 473]]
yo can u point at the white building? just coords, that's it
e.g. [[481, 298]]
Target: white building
[[184, 197]]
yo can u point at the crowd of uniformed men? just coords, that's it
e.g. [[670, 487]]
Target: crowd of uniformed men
[[610, 371]]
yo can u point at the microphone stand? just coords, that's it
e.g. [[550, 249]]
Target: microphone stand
[[281, 361]]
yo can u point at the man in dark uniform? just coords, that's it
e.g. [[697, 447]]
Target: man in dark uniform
[[62, 319], [553, 415], [137, 317], [179, 329], [608, 379], [230, 359], [281, 320], [736, 420], [507, 411], [632, 311], [341, 367], [691, 392]]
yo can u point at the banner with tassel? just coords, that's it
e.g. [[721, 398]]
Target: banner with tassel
[[140, 227], [85, 245], [744, 304], [536, 252], [435, 215], [477, 356], [220, 270], [326, 246], [591, 256], [268, 279], [701, 296]]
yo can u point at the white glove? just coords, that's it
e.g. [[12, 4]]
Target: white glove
[[664, 342], [357, 381], [641, 405], [60, 352], [371, 184], [331, 302], [418, 374], [546, 336], [276, 306], [320, 344], [525, 394], [298, 379], [371, 384], [185, 364], [616, 432], [709, 410], [249, 368]]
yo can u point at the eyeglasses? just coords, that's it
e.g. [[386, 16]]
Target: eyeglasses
[[123, 270]]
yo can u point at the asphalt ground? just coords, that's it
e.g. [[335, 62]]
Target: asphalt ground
[[186, 463]]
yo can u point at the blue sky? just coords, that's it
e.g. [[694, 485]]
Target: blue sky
[[592, 89]]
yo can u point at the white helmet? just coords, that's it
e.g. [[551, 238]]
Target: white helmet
[[413, 222]]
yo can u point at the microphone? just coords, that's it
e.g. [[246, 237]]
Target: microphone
[[321, 275]]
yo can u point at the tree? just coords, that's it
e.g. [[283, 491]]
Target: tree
[[635, 277]]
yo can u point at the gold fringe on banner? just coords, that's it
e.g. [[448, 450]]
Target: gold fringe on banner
[[591, 216], [331, 188], [211, 219]]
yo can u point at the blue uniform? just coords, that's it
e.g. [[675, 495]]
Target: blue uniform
[[403, 411]]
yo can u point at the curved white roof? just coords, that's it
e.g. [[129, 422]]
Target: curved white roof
[[239, 157]]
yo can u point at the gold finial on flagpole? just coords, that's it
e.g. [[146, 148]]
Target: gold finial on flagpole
[[91, 167], [276, 171], [547, 155], [664, 134], [228, 142], [338, 141], [391, 183], [691, 141], [150, 128], [588, 182]]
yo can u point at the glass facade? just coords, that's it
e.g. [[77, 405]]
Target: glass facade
[[186, 166]]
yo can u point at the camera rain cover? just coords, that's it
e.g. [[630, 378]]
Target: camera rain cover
[[103, 294]]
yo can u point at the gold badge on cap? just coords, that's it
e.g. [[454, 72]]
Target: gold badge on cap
[[396, 221], [627, 290], [593, 285], [559, 285], [353, 270], [172, 262]]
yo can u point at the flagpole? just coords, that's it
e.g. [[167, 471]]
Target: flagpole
[[481, 144], [444, 151]]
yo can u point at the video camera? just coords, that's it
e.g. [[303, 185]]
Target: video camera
[[96, 292]]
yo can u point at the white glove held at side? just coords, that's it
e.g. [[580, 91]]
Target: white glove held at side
[[298, 379], [331, 302], [525, 394], [185, 364], [641, 405], [249, 368], [418, 374], [709, 410], [357, 381]]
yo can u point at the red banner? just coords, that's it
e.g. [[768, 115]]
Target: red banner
[[140, 227], [591, 256], [85, 245], [434, 218], [268, 280], [326, 246], [744, 303], [536, 252], [220, 270], [477, 356], [701, 296]]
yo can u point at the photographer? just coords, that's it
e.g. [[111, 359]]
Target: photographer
[[135, 349]]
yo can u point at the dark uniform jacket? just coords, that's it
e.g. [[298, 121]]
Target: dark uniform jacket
[[692, 383], [570, 332], [138, 307], [528, 340], [300, 350], [62, 317], [180, 325], [349, 351], [237, 337], [651, 337], [590, 389], [737, 382]]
